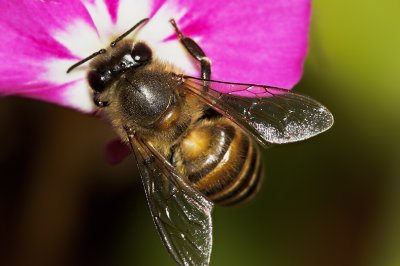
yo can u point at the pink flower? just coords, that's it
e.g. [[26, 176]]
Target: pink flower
[[247, 41], [250, 41]]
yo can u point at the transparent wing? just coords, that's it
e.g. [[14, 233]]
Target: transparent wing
[[181, 214], [270, 114]]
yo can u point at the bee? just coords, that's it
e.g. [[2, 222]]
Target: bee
[[195, 139]]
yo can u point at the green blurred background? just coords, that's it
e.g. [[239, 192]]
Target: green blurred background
[[332, 200]]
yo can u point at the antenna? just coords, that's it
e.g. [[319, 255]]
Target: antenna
[[113, 43], [102, 51], [128, 31]]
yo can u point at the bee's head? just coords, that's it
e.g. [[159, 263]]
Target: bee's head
[[123, 78], [110, 65]]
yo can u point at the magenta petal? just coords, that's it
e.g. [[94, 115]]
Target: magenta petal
[[27, 43], [251, 41], [116, 151], [248, 41], [112, 6], [51, 94]]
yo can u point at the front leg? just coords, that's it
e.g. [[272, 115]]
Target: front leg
[[195, 50], [98, 102]]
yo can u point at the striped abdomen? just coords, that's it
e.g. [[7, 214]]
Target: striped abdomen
[[220, 160]]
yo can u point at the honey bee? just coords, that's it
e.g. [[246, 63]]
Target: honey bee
[[194, 145]]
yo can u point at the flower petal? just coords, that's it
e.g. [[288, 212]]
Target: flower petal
[[28, 30], [251, 41], [41, 39], [116, 151], [71, 94]]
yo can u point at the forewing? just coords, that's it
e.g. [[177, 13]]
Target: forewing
[[181, 214], [270, 114]]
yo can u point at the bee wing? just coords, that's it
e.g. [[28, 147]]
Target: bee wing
[[181, 214], [272, 115]]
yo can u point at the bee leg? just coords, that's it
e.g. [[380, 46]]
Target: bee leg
[[98, 102], [195, 50]]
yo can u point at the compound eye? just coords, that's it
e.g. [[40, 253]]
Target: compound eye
[[96, 81], [141, 52]]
